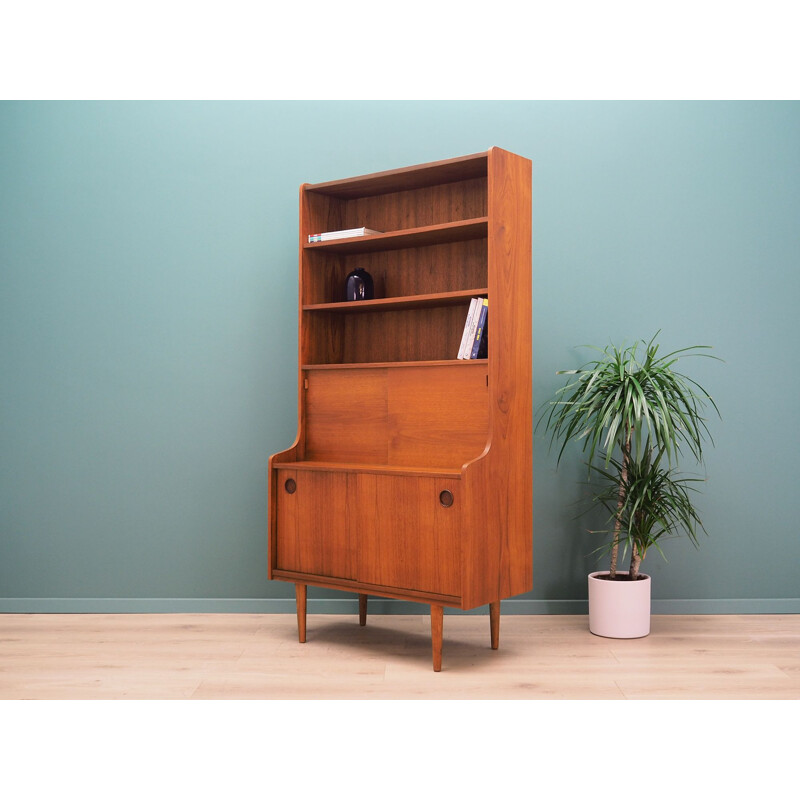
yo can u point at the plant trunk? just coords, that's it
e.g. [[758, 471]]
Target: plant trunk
[[626, 455], [636, 561]]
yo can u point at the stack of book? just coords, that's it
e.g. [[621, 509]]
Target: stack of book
[[329, 235], [473, 340]]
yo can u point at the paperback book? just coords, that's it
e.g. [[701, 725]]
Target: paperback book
[[474, 334], [465, 335], [480, 329], [346, 234]]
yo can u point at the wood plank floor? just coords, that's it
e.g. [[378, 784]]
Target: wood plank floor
[[257, 656]]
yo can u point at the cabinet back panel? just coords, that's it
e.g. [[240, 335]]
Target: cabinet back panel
[[445, 267], [324, 277], [322, 339], [321, 213], [427, 334], [424, 270], [415, 208]]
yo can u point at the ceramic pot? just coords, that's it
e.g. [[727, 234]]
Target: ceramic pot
[[619, 609]]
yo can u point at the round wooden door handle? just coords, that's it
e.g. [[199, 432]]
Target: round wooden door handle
[[290, 486], [446, 498]]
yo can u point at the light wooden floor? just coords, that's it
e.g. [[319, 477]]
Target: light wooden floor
[[257, 656]]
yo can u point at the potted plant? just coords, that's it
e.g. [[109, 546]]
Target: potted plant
[[635, 414]]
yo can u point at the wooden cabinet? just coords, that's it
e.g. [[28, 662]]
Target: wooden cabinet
[[410, 476]]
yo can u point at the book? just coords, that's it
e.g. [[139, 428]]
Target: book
[[483, 348], [484, 312], [346, 234], [472, 304], [473, 326]]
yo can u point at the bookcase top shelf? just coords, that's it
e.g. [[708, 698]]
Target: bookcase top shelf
[[399, 303], [458, 231], [398, 180]]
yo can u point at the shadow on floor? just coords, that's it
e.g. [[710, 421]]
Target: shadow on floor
[[385, 641]]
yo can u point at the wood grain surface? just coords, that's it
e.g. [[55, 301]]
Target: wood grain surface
[[449, 227], [257, 656]]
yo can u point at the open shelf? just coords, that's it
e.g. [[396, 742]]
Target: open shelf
[[405, 178], [412, 301], [377, 469], [389, 364], [459, 231]]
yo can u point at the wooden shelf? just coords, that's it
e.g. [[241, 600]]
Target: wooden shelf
[[378, 469], [400, 303], [389, 364], [459, 231], [406, 178]]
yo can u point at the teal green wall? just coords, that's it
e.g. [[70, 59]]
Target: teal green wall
[[149, 337]]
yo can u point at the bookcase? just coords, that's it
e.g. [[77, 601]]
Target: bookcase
[[410, 476]]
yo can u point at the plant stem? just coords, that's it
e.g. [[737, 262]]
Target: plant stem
[[635, 562], [623, 477]]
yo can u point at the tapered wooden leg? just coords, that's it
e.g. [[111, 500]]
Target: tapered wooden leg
[[300, 594], [362, 609], [494, 623], [437, 612]]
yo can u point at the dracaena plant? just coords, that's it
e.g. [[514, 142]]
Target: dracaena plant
[[628, 406], [656, 504]]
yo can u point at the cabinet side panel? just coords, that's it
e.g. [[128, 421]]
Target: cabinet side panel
[[499, 550]]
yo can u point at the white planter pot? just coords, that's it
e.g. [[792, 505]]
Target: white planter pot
[[619, 609]]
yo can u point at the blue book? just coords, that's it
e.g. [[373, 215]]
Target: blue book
[[465, 336], [479, 331]]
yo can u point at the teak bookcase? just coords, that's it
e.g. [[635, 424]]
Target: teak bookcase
[[410, 476]]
